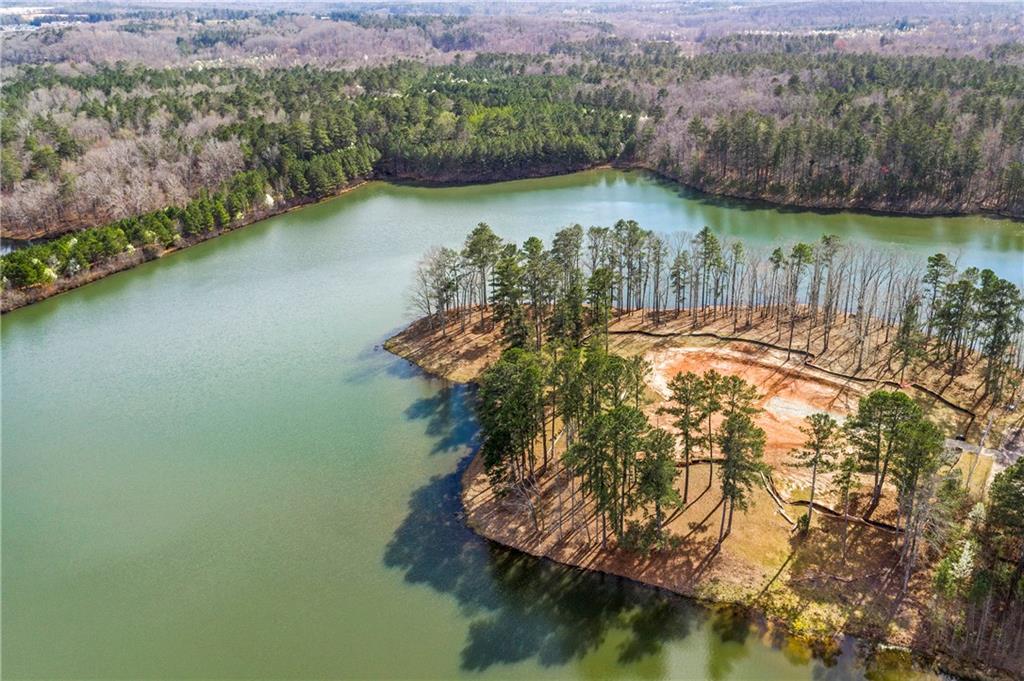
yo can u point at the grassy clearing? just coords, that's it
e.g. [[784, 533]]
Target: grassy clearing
[[978, 479]]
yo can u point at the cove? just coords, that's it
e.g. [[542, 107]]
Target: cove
[[210, 469]]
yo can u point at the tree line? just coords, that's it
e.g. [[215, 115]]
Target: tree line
[[887, 304], [310, 130], [44, 263], [819, 127]]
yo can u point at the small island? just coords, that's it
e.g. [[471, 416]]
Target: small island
[[826, 434]]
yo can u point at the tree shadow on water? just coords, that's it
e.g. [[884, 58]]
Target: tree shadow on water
[[434, 547], [523, 609], [448, 412], [732, 627], [372, 361], [520, 607]]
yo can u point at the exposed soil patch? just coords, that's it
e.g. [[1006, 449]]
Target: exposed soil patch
[[789, 392]]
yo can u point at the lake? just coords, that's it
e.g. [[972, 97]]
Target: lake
[[211, 469]]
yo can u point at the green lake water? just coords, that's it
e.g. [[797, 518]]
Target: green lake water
[[211, 470]]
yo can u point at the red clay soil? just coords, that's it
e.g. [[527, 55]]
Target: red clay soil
[[789, 392]]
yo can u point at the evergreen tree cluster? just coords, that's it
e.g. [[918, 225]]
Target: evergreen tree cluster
[[44, 263]]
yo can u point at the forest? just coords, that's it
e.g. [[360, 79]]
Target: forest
[[909, 134], [463, 128], [818, 119], [559, 403]]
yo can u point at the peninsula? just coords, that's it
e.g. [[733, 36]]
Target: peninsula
[[795, 431]]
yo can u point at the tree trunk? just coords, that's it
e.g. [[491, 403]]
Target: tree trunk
[[686, 477], [721, 527], [810, 506]]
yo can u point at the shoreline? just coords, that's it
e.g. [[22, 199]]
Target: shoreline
[[828, 208], [483, 514], [757, 614], [14, 299]]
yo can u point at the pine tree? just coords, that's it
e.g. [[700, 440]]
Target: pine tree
[[599, 291], [656, 475], [508, 299], [999, 315], [482, 249], [819, 452], [908, 344], [844, 482], [689, 394], [708, 408], [937, 274], [877, 431], [1006, 515], [742, 444]]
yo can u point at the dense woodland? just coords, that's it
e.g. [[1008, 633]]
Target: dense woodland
[[807, 118], [556, 378], [351, 33], [455, 124], [828, 129], [195, 129]]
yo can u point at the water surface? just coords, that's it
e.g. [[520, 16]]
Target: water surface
[[210, 469]]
